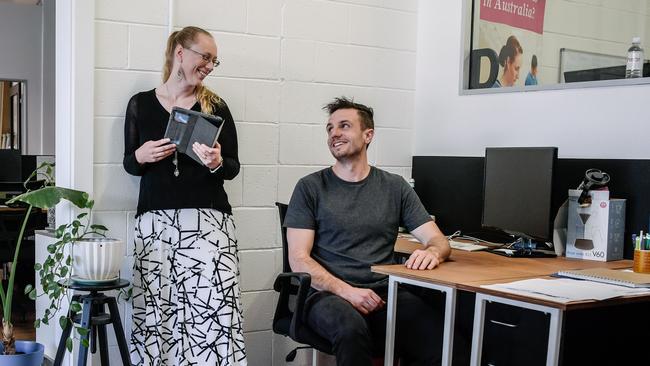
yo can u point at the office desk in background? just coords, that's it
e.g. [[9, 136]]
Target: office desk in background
[[468, 271]]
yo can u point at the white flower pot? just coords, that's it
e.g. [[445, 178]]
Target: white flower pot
[[97, 259]]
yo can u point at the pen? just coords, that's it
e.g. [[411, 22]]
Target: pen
[[634, 243]]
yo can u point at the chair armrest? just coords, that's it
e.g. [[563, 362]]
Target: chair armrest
[[284, 286]]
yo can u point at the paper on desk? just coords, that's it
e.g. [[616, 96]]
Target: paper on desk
[[565, 290]]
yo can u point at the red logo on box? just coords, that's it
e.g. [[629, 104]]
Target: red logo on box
[[603, 204]]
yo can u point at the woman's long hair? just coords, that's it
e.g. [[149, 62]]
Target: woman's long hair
[[508, 52], [186, 37]]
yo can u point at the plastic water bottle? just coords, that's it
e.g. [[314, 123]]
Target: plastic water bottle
[[634, 68]]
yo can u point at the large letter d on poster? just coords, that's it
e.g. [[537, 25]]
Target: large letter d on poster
[[475, 68]]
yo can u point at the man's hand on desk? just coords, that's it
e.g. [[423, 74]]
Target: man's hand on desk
[[364, 300], [428, 258]]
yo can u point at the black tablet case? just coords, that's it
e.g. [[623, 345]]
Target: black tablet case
[[185, 127]]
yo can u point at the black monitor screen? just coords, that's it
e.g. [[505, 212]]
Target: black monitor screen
[[518, 190]]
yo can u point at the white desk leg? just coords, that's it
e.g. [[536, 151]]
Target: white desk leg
[[554, 336], [450, 317], [477, 334], [554, 331], [448, 330], [390, 321]]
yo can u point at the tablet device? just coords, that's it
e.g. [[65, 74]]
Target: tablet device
[[185, 127]]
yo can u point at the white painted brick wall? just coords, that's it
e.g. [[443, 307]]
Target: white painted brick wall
[[390, 147], [376, 27], [234, 189], [114, 189], [265, 17], [262, 142], [316, 20], [262, 102], [140, 12], [147, 47], [260, 185], [233, 91], [298, 59], [248, 56], [256, 227], [263, 267], [115, 40], [109, 133], [223, 15], [282, 61], [259, 307]]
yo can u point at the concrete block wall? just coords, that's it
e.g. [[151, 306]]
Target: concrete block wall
[[282, 60]]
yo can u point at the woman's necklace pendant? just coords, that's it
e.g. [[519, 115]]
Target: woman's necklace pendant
[[175, 161]]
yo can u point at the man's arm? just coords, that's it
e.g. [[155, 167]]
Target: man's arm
[[301, 242], [436, 247]]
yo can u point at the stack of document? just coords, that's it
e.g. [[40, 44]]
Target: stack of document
[[470, 247], [566, 290]]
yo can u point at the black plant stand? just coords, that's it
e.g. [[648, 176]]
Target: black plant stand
[[95, 319]]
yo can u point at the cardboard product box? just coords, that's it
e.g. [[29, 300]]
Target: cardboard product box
[[595, 232]]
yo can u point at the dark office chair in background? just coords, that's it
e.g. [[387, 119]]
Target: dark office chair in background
[[293, 288]]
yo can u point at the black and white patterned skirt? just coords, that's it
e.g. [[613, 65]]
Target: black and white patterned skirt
[[186, 296]]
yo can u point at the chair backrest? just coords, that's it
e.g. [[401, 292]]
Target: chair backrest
[[289, 300], [282, 211]]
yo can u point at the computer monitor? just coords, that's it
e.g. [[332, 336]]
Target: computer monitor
[[451, 188], [518, 188]]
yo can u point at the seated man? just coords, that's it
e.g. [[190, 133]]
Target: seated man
[[344, 219]]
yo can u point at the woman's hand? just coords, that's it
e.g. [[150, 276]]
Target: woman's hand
[[153, 151], [210, 156]]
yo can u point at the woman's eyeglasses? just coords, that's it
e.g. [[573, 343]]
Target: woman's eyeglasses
[[206, 58]]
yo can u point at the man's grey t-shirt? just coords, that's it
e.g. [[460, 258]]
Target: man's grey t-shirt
[[355, 223]]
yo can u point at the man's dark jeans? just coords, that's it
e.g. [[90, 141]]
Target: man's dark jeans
[[356, 338]]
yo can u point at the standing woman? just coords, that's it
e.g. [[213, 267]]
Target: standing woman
[[186, 296]]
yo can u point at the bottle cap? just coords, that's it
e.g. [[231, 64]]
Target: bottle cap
[[636, 40]]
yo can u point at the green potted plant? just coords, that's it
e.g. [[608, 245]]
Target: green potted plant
[[57, 265]]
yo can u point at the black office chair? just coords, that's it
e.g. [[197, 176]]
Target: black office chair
[[293, 288]]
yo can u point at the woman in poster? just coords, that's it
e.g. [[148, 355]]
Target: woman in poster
[[510, 60]]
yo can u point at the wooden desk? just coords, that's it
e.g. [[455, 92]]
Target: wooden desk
[[468, 271]]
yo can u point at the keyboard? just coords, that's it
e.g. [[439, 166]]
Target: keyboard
[[470, 247]]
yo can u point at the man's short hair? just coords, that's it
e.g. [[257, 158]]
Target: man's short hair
[[533, 62], [365, 113]]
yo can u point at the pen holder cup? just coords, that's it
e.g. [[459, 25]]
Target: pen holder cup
[[641, 261]]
